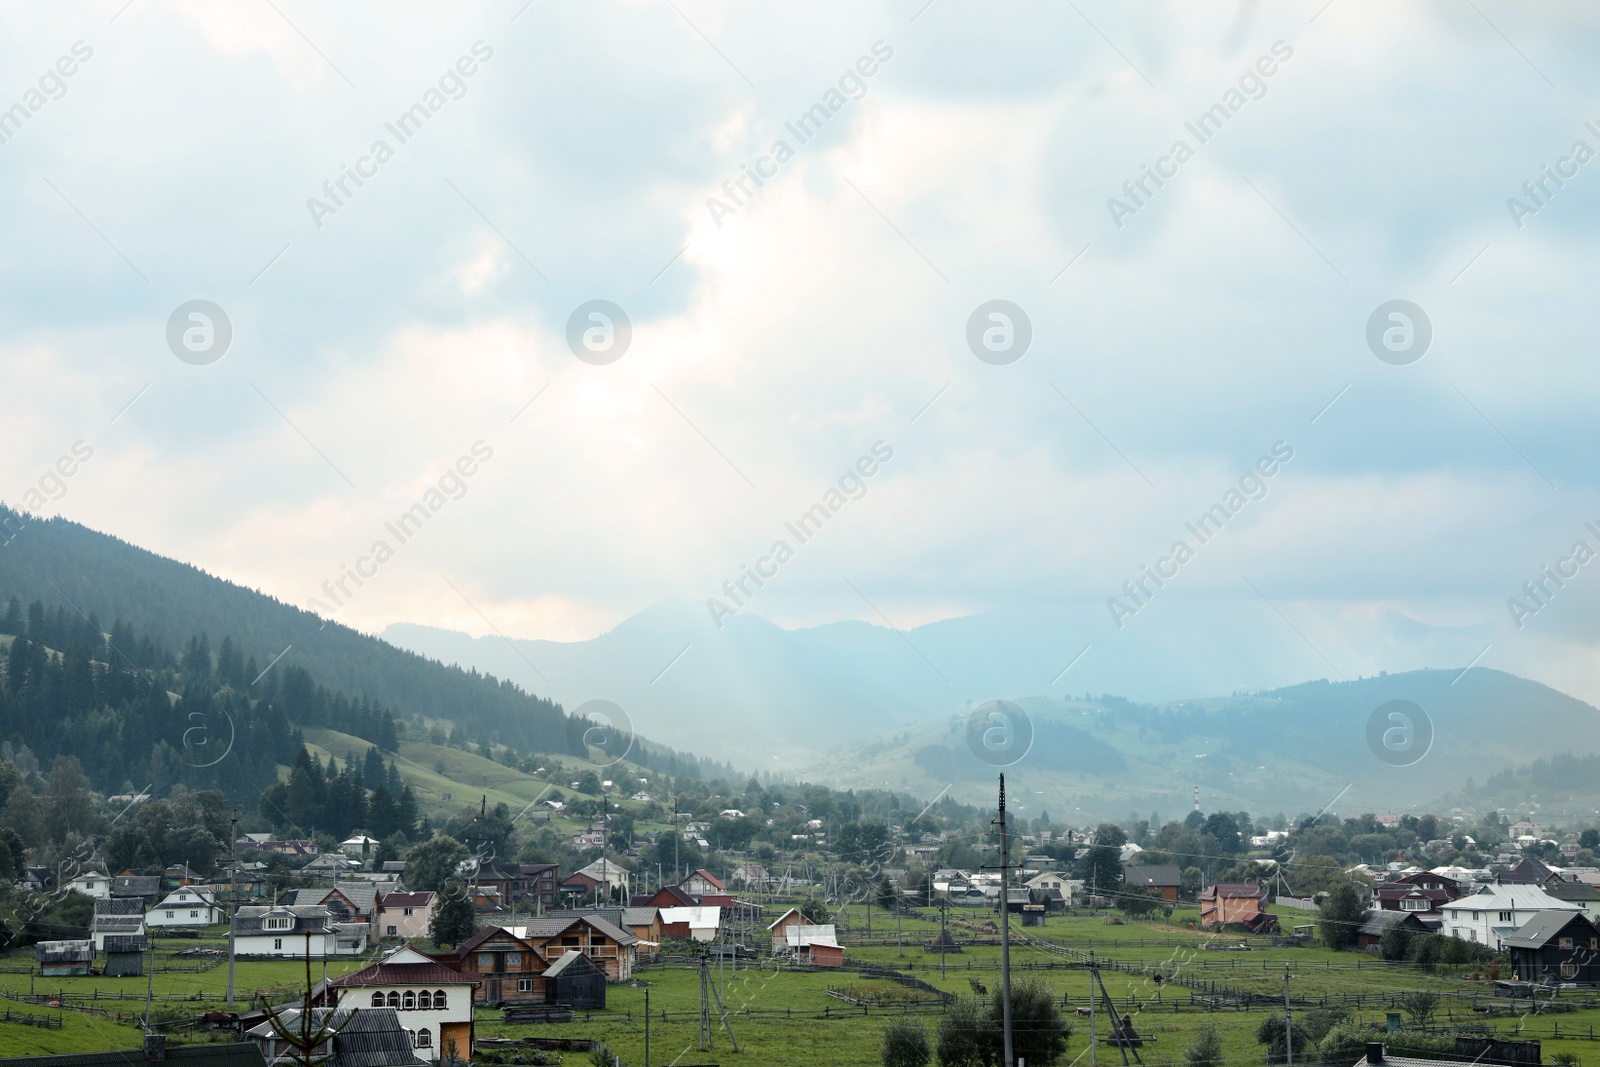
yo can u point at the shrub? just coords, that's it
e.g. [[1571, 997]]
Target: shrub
[[1206, 1050], [905, 1044]]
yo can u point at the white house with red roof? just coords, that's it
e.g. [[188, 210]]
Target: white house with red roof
[[702, 882], [434, 1001]]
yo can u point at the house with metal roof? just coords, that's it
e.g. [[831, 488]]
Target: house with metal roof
[[145, 887], [59, 959], [113, 915], [1495, 912], [279, 931], [188, 905], [371, 1037], [1555, 948]]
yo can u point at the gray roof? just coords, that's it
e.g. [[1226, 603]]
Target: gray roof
[[118, 906], [572, 960], [136, 885], [551, 925], [127, 943], [367, 1037], [118, 924], [1378, 922], [64, 951], [1156, 874], [1537, 931], [315, 918], [364, 895], [639, 916]]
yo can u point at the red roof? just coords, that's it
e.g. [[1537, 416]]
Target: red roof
[[708, 876], [435, 974], [1235, 889]]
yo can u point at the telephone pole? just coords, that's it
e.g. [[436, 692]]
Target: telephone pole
[[1288, 1018], [1005, 927], [233, 892]]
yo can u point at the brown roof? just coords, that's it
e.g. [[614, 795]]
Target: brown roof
[[406, 900], [435, 974], [1235, 889]]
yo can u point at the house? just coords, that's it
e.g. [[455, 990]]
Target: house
[[1159, 880], [1495, 912], [179, 874], [125, 955], [1528, 871], [330, 865], [643, 923], [347, 902], [702, 882], [610, 948], [1236, 903], [188, 906], [524, 886], [266, 843], [608, 876], [405, 914], [434, 1001], [358, 846], [1053, 884], [666, 897], [91, 884], [112, 916], [502, 965], [750, 876], [1378, 922], [816, 945], [1582, 894], [573, 981], [284, 931], [145, 887], [776, 928], [59, 959], [1422, 893], [364, 1038], [1555, 947], [249, 879], [700, 923], [234, 1054]]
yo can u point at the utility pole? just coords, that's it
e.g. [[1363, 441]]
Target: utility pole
[[646, 1026], [1094, 997], [1005, 927], [1288, 1018], [233, 892], [944, 944]]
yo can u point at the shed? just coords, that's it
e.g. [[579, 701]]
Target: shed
[[125, 955], [63, 958], [574, 982]]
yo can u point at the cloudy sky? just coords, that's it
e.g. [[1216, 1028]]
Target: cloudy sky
[[382, 330]]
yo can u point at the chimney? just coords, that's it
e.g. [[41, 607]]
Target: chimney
[[1374, 1051], [155, 1048]]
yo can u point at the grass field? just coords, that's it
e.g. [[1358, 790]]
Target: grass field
[[786, 1016]]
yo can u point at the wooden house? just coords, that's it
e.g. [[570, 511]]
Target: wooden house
[[1378, 922], [610, 948], [1162, 880], [1236, 904], [1556, 947], [60, 959], [503, 966]]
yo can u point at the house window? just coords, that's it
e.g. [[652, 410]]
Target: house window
[[1505, 916], [438, 1000], [278, 923], [410, 1001], [424, 1001], [1569, 970], [394, 1000], [170, 914], [485, 960], [524, 985], [424, 1038], [194, 915], [406, 911], [1565, 942], [277, 943], [377, 1000], [513, 959], [392, 931]]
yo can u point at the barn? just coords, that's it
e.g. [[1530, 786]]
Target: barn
[[574, 982], [125, 955], [59, 959]]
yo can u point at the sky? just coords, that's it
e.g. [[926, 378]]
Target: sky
[[414, 336]]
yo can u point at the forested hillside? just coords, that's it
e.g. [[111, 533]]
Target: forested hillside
[[79, 574]]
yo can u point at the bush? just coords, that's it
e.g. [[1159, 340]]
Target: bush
[[1206, 1051], [905, 1044], [961, 1034], [1271, 1033], [1347, 1044]]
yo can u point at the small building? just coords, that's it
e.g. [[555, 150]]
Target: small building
[[116, 916], [91, 884], [62, 959], [702, 882], [125, 955], [406, 914], [359, 846], [816, 945], [1556, 947], [699, 923], [573, 981], [187, 906], [1053, 884], [1236, 904], [1162, 880], [778, 928], [1378, 922]]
